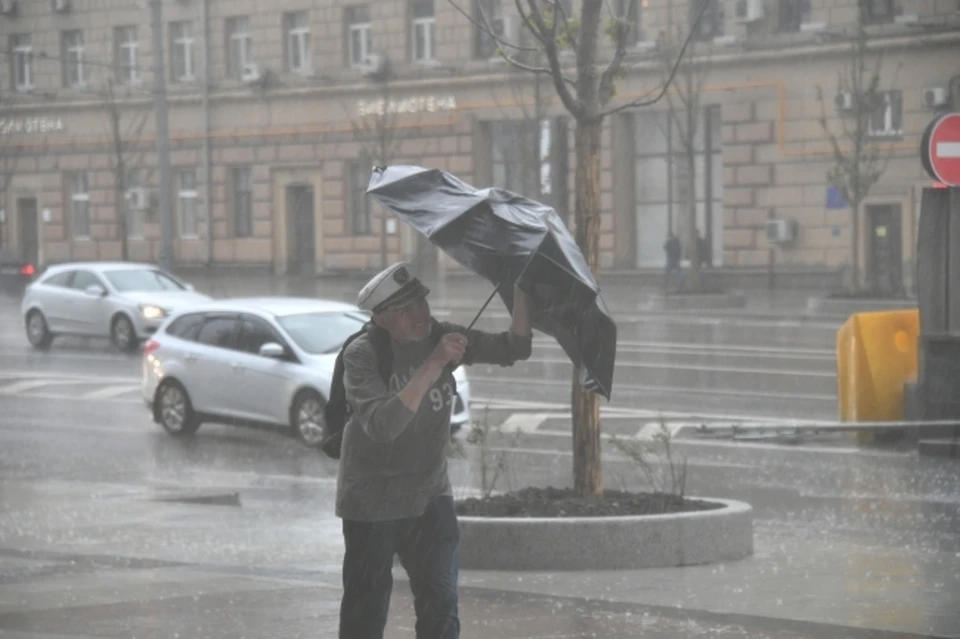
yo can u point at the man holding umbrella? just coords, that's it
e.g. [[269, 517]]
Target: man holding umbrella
[[393, 491]]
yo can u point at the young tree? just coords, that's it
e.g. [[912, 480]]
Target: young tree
[[9, 153], [587, 95], [378, 130], [685, 117], [124, 157], [524, 145], [859, 160]]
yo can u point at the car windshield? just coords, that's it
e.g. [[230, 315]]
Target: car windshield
[[322, 332], [148, 280]]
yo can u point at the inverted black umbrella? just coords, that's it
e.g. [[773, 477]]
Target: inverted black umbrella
[[508, 238]]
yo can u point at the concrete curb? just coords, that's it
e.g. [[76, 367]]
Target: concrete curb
[[846, 307], [608, 543], [947, 448]]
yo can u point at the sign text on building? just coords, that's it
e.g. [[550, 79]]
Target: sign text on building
[[416, 104], [30, 125]]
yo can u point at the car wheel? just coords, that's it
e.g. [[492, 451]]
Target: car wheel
[[307, 418], [173, 410], [38, 333], [122, 334]]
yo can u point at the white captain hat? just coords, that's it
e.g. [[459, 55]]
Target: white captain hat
[[392, 288]]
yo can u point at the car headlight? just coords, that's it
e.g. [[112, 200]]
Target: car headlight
[[149, 311]]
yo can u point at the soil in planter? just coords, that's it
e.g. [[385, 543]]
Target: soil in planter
[[564, 502]]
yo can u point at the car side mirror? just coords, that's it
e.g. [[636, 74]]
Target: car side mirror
[[273, 351], [95, 290]]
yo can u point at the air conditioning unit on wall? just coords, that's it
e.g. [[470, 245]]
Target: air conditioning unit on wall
[[374, 65], [139, 198], [8, 7], [747, 10], [843, 100], [251, 73], [781, 231], [934, 97], [60, 5]]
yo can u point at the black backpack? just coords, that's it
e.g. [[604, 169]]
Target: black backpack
[[337, 412]]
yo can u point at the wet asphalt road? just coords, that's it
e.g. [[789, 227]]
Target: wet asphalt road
[[854, 539]]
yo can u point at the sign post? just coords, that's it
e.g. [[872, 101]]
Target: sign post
[[940, 149]]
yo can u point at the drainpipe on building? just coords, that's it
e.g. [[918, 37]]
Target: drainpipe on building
[[205, 107], [163, 136]]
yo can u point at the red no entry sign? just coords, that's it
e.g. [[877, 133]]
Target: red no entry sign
[[940, 149]]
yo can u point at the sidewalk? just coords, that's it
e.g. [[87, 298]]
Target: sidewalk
[[109, 560]]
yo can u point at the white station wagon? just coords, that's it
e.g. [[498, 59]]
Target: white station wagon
[[124, 301], [262, 361]]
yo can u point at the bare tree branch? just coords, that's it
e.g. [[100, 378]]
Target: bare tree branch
[[487, 28], [572, 104], [567, 29], [621, 31], [642, 100]]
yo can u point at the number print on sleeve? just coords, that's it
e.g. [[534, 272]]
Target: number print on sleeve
[[441, 398]]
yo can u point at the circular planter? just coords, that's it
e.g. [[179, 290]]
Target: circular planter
[[608, 543]]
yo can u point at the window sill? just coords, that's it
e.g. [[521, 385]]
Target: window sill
[[885, 136]]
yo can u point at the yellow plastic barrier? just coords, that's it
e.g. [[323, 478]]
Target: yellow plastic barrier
[[876, 356]]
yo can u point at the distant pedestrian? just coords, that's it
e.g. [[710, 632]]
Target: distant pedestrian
[[393, 491], [672, 250]]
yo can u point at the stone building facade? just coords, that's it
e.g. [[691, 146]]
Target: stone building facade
[[278, 110]]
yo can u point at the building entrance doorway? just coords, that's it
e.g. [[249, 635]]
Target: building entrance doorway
[[301, 227]]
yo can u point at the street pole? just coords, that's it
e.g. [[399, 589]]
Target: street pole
[[205, 105], [165, 258]]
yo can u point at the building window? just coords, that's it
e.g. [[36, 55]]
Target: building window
[[711, 25], [135, 210], [72, 54], [793, 13], [79, 205], [181, 51], [21, 51], [662, 179], [239, 46], [876, 11], [299, 59], [492, 10], [359, 34], [424, 31], [242, 202], [187, 204], [516, 149], [360, 211], [885, 116], [125, 54]]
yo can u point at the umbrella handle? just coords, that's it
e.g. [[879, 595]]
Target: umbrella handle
[[452, 366]]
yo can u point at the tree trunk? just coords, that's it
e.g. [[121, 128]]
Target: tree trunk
[[693, 238], [121, 202], [585, 408], [855, 247]]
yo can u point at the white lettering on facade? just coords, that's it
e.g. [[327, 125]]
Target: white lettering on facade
[[30, 125], [416, 104]]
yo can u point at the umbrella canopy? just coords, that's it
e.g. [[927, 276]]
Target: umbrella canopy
[[508, 238]]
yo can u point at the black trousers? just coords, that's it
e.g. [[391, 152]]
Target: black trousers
[[427, 546]]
